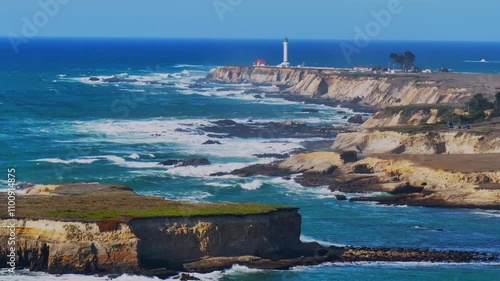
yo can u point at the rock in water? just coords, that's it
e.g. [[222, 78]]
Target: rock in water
[[340, 197], [356, 119], [194, 162], [186, 277], [225, 122], [258, 96], [94, 79], [211, 142], [115, 79], [170, 162]]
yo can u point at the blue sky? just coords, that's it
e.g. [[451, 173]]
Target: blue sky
[[307, 19]]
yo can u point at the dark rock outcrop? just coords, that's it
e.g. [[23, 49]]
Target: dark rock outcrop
[[194, 162], [186, 162], [272, 155], [211, 142], [340, 197], [270, 130], [349, 156], [115, 79], [356, 119], [405, 188], [261, 170], [170, 162], [363, 169]]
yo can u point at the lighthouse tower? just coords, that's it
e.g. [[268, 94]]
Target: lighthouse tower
[[285, 62]]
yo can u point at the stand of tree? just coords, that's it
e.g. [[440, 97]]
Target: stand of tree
[[405, 60], [476, 107]]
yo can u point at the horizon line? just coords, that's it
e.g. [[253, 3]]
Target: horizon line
[[250, 38]]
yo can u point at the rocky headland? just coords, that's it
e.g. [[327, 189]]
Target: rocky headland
[[364, 89], [404, 149], [109, 230]]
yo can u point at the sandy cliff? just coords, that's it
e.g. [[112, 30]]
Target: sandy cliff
[[62, 247], [373, 90], [441, 142], [132, 244]]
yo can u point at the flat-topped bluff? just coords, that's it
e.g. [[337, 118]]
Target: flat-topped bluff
[[108, 229], [92, 228], [366, 89]]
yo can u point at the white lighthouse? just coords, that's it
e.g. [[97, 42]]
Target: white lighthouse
[[285, 62]]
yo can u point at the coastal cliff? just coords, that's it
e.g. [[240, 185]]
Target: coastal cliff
[[424, 163], [365, 89], [56, 235], [432, 142], [51, 239], [142, 244]]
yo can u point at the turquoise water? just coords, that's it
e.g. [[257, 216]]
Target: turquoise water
[[58, 127]]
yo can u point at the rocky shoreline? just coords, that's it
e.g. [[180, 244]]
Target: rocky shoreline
[[404, 182], [110, 230], [63, 236], [395, 160]]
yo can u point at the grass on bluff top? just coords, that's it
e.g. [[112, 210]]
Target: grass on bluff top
[[91, 204]]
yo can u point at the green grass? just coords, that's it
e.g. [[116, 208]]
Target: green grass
[[189, 211], [101, 202]]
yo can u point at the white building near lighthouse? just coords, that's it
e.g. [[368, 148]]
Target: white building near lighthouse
[[285, 62]]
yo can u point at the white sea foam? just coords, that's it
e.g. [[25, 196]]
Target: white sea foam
[[205, 171], [218, 184], [487, 213], [306, 239], [184, 135], [184, 76], [253, 185], [129, 164], [188, 66], [134, 156], [25, 275], [196, 196], [134, 90], [36, 276], [73, 161]]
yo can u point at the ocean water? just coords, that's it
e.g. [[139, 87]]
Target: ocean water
[[59, 127]]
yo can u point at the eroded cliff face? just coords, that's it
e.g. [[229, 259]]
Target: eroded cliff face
[[142, 244], [62, 247], [402, 118], [370, 90], [453, 142], [180, 240], [463, 187]]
